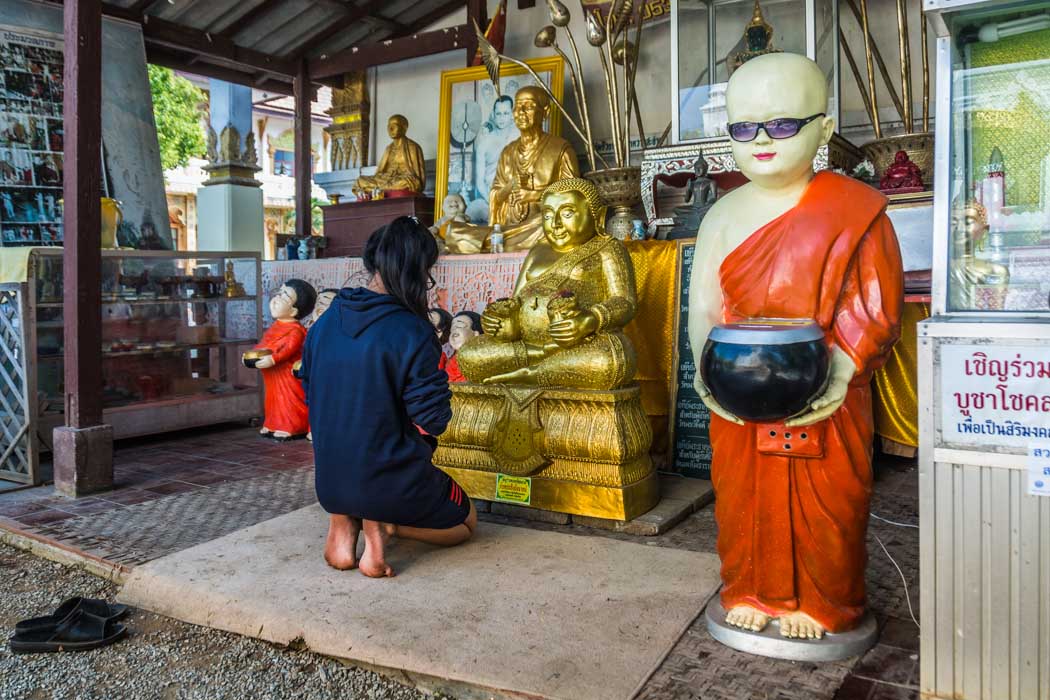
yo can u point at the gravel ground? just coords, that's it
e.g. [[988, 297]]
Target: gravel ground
[[162, 658]]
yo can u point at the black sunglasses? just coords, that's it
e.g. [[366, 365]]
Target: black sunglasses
[[783, 128]]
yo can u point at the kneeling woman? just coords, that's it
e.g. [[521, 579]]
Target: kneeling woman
[[370, 371]]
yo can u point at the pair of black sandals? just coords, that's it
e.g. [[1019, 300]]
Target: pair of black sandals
[[79, 624]]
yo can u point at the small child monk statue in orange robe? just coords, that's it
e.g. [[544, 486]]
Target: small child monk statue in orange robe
[[286, 414], [792, 243]]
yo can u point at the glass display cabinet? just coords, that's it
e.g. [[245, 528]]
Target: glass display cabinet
[[174, 325], [710, 37], [984, 359]]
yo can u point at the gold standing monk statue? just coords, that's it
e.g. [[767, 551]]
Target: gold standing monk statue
[[575, 293], [401, 170], [527, 165], [552, 370]]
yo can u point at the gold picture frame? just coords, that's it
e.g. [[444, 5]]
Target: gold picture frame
[[466, 86]]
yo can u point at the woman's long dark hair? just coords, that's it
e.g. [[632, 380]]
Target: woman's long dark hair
[[402, 253]]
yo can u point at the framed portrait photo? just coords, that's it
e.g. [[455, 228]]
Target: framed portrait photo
[[475, 124]]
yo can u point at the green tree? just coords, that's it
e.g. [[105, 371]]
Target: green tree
[[177, 108]]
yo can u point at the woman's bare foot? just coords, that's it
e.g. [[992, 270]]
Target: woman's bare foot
[[748, 618], [799, 625], [373, 561], [340, 551]]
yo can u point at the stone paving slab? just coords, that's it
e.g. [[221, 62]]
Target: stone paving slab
[[516, 612]]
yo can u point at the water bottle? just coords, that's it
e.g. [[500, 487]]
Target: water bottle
[[497, 239]]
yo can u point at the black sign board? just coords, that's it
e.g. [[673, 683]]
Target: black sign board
[[690, 419]]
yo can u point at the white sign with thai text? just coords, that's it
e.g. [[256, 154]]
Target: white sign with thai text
[[995, 395], [1039, 469]]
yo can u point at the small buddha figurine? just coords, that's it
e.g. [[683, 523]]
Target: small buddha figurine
[[757, 40], [401, 170], [967, 271], [286, 415], [699, 198], [578, 343], [234, 288], [527, 165], [902, 174], [453, 208], [465, 326]]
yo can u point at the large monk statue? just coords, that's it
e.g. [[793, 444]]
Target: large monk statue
[[401, 169], [527, 165], [794, 244], [575, 293]]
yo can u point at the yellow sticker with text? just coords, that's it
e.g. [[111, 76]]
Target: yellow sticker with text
[[513, 489]]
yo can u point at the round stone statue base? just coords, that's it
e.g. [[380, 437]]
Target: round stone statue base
[[768, 642]]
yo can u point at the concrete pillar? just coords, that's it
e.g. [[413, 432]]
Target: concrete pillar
[[230, 203]]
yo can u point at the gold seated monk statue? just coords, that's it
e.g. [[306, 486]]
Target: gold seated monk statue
[[552, 371], [968, 272], [575, 293], [401, 169], [527, 165]]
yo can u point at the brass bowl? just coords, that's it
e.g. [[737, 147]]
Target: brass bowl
[[619, 187], [252, 356], [919, 148]]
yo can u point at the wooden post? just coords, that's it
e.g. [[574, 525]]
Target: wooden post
[[303, 176], [477, 10], [82, 215], [83, 449]]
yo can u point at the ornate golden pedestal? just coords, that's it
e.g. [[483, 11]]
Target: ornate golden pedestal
[[570, 451]]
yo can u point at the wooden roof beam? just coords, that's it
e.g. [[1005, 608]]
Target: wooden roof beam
[[176, 61], [440, 12], [389, 51], [358, 12], [159, 32]]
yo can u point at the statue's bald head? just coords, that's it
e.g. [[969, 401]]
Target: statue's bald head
[[779, 86], [534, 93], [776, 85]]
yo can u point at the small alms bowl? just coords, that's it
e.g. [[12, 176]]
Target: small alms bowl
[[252, 356], [765, 370]]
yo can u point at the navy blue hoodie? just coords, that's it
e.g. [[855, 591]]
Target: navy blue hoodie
[[370, 372]]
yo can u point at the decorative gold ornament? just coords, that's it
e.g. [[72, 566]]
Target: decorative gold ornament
[[228, 163], [401, 167], [758, 39], [233, 288], [349, 129]]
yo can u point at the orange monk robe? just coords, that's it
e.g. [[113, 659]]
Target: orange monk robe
[[285, 400], [791, 528]]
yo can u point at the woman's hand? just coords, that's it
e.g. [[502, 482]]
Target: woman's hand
[[570, 331], [712, 405], [503, 328], [264, 362], [840, 374]]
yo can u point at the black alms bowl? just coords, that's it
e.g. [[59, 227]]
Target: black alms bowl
[[765, 370]]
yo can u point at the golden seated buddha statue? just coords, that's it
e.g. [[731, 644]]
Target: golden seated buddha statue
[[554, 369]]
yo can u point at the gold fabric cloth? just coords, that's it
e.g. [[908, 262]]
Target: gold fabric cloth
[[896, 384], [652, 331]]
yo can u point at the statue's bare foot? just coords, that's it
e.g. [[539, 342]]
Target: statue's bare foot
[[310, 436], [281, 434], [340, 551], [518, 376], [799, 625], [747, 618], [264, 430], [373, 561]]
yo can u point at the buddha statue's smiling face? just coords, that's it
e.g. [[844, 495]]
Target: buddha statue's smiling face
[[530, 109], [567, 220], [779, 86]]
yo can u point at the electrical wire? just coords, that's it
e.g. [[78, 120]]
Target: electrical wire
[[907, 595], [891, 522]]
